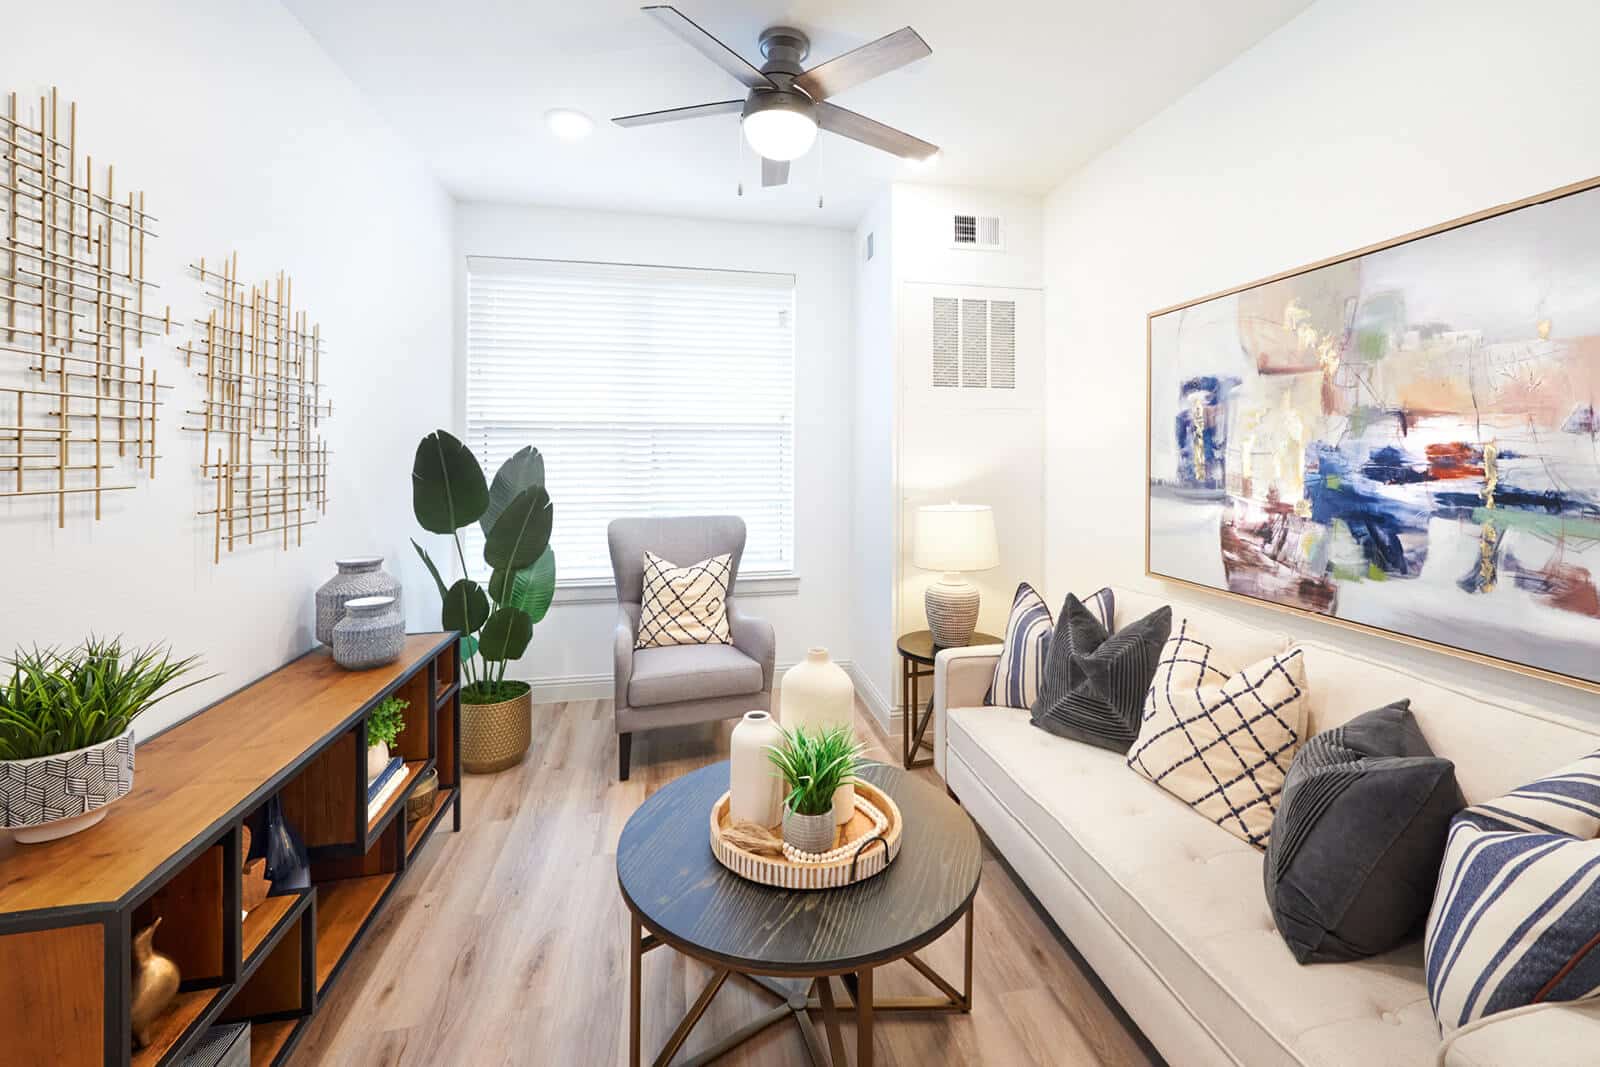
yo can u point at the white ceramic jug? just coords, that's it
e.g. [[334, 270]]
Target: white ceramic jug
[[757, 790], [817, 694]]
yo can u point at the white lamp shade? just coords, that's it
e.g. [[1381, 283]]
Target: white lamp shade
[[955, 537]]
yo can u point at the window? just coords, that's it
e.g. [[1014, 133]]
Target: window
[[649, 390]]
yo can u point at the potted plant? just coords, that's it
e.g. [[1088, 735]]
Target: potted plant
[[384, 724], [66, 731], [448, 494], [814, 765]]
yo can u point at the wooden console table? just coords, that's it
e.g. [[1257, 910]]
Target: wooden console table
[[171, 848]]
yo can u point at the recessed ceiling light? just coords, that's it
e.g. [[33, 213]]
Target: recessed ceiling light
[[567, 124]]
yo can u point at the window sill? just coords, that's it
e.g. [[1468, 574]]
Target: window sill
[[600, 590]]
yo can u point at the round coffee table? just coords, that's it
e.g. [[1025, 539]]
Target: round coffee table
[[679, 895]]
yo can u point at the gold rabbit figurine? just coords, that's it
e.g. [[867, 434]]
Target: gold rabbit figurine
[[155, 983]]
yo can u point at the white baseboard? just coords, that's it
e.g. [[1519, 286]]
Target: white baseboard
[[886, 713]]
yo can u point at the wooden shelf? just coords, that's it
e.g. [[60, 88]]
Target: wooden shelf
[[342, 908], [264, 919], [420, 828], [172, 849], [186, 1010], [376, 823], [267, 1040]]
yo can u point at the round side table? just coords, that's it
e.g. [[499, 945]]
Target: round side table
[[917, 652], [679, 895]]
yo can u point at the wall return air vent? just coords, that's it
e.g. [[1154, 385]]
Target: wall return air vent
[[980, 232], [974, 344]]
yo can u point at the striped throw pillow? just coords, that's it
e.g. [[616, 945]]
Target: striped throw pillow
[[685, 605], [1516, 914], [1027, 644]]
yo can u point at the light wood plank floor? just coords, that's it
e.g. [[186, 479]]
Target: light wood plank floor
[[507, 944]]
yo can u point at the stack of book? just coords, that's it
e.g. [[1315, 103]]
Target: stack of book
[[381, 788]]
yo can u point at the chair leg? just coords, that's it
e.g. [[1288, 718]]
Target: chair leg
[[624, 751]]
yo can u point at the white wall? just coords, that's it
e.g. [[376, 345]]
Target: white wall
[[953, 444], [245, 137], [874, 518], [571, 651], [1358, 121]]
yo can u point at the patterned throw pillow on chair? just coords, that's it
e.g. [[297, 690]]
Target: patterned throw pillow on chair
[[685, 605], [1020, 668], [1517, 906], [1094, 682], [1219, 739]]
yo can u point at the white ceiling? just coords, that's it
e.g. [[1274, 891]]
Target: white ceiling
[[1017, 92]]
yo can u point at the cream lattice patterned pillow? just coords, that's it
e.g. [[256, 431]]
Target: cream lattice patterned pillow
[[1219, 739], [685, 605]]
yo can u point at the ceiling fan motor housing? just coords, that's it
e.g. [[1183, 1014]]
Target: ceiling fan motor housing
[[784, 49]]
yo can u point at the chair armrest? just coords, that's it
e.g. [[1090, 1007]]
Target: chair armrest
[[754, 637], [961, 678], [626, 634]]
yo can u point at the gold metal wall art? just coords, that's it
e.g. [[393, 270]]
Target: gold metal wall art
[[259, 360], [75, 394]]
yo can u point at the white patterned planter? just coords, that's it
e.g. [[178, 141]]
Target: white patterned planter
[[48, 797]]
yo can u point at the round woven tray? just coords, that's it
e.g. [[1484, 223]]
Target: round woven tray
[[782, 872]]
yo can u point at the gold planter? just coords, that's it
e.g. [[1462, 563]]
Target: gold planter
[[496, 736]]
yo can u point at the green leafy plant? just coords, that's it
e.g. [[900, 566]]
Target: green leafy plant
[[387, 721], [814, 765], [448, 494], [62, 700]]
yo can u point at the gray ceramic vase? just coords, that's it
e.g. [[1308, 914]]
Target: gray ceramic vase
[[808, 833], [358, 576], [371, 633]]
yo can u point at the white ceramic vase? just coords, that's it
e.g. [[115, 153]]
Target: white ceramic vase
[[377, 760], [817, 695], [757, 791]]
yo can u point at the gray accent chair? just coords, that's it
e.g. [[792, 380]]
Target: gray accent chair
[[681, 684]]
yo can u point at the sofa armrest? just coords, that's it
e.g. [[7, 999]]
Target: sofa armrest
[[627, 633], [961, 678], [755, 638]]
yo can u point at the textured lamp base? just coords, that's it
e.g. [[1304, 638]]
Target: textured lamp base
[[952, 607]]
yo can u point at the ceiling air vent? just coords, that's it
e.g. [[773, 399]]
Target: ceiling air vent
[[975, 231]]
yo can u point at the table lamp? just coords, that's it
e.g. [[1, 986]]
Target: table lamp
[[953, 538]]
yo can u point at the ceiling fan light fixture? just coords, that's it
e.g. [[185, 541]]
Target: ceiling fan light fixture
[[568, 124], [779, 125]]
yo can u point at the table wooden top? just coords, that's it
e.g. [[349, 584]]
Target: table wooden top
[[918, 645], [670, 878], [196, 776]]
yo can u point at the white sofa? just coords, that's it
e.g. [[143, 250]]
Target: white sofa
[[1170, 910]]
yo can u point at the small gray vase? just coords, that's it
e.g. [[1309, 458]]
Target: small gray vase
[[358, 576], [371, 633], [808, 833]]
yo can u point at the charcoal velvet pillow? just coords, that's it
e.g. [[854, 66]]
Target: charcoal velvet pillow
[[1094, 683], [1358, 837]]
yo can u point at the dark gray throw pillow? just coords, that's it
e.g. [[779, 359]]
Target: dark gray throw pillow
[[1094, 683], [1358, 837]]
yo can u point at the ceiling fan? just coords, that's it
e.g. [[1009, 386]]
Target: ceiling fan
[[787, 103]]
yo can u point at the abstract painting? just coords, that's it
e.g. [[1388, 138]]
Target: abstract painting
[[1404, 438]]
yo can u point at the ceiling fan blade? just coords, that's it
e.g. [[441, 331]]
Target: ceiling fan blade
[[870, 60], [774, 172], [677, 114], [846, 123], [708, 46]]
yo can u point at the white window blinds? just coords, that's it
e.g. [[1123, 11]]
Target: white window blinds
[[649, 390]]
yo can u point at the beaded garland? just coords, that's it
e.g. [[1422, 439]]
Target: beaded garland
[[880, 823]]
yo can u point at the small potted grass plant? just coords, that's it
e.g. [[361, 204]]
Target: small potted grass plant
[[386, 723], [814, 764], [66, 731]]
